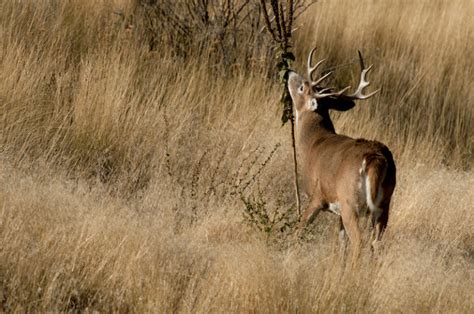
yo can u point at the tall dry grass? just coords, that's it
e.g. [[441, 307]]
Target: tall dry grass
[[121, 168]]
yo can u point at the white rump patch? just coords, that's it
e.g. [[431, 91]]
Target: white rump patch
[[368, 194], [335, 208], [373, 204], [362, 168]]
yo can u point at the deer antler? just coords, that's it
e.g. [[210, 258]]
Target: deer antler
[[311, 69], [363, 83], [358, 94]]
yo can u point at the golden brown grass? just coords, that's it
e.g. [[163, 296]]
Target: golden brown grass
[[120, 167]]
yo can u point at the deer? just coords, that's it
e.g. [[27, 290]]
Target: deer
[[346, 176]]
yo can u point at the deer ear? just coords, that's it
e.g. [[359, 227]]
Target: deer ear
[[338, 104]]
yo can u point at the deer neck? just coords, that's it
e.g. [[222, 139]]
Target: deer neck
[[312, 126]]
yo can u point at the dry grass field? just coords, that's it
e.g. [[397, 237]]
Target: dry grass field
[[123, 163]]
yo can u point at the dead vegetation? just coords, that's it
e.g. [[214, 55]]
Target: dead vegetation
[[124, 159]]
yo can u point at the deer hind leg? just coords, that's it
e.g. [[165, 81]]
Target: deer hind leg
[[350, 224], [379, 185], [379, 224]]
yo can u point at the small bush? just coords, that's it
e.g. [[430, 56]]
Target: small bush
[[277, 224]]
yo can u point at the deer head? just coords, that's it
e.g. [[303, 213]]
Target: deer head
[[308, 95]]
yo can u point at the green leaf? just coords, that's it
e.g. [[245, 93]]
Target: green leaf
[[282, 65], [288, 56], [282, 75], [284, 118], [287, 98]]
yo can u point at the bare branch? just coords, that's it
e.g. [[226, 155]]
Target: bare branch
[[284, 33], [267, 20], [289, 15], [275, 9]]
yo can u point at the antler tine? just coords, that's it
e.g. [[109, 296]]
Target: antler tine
[[325, 90], [311, 68], [321, 78], [322, 94], [363, 83]]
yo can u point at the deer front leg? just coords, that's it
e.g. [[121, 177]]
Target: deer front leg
[[342, 231], [314, 207], [342, 238], [309, 215]]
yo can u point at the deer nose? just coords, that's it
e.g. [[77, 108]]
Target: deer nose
[[291, 75]]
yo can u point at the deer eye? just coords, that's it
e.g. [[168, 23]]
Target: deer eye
[[301, 89]]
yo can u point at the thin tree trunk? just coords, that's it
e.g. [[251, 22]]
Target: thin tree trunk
[[295, 163]]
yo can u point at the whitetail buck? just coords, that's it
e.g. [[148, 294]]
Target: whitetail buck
[[347, 176]]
